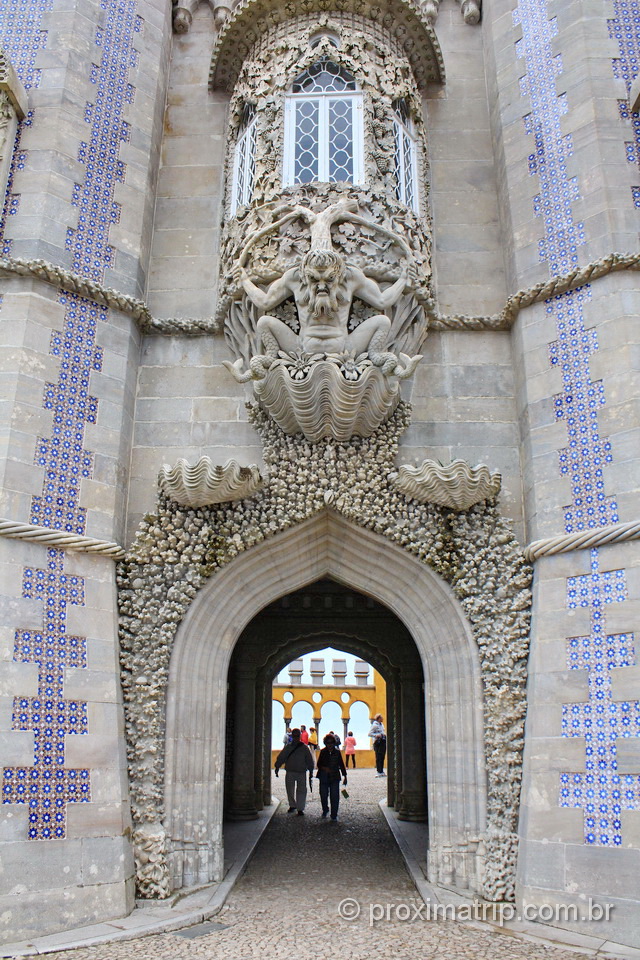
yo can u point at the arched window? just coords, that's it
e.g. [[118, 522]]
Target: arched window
[[244, 161], [405, 156], [323, 127]]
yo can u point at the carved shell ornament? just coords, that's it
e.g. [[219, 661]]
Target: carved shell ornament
[[456, 486], [329, 396], [204, 483], [325, 380]]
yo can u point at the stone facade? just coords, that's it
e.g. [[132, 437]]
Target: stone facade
[[122, 309]]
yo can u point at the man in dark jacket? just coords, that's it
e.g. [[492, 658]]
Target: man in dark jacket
[[297, 760], [330, 768]]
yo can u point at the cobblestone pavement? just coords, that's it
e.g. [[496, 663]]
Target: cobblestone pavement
[[286, 904]]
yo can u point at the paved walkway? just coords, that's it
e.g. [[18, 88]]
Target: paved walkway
[[287, 903]]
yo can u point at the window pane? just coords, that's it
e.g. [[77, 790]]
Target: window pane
[[242, 171], [325, 76], [245, 160], [408, 170], [251, 163], [405, 165], [402, 111], [341, 140], [306, 141], [398, 157]]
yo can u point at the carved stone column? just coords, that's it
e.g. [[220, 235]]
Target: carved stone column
[[393, 754], [13, 107], [243, 794], [266, 756], [412, 789], [261, 738]]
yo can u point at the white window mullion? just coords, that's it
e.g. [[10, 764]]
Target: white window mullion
[[234, 181], [249, 161], [323, 141], [357, 126], [288, 166]]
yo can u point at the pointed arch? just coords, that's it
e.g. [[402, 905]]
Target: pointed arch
[[325, 546]]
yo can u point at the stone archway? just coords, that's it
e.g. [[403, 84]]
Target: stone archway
[[299, 623], [325, 546]]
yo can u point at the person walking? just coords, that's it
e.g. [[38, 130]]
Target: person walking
[[313, 739], [297, 760], [379, 743], [330, 768], [350, 749]]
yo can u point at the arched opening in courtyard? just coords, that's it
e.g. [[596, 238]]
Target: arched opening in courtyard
[[297, 624], [324, 581]]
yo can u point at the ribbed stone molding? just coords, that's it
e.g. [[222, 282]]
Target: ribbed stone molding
[[59, 539], [185, 326], [583, 540], [252, 18], [105, 296], [540, 292]]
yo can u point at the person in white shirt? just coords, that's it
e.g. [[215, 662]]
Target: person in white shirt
[[379, 743]]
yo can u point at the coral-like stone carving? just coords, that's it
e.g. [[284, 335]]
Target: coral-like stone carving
[[12, 87], [150, 851], [177, 550], [456, 485], [204, 483]]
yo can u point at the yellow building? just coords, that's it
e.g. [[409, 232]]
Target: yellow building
[[345, 695]]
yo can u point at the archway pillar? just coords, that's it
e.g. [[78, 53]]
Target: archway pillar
[[243, 787], [412, 788]]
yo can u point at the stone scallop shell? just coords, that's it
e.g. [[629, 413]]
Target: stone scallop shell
[[325, 404], [205, 483], [456, 486]]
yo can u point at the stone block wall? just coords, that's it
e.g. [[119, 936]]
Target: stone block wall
[[118, 177], [469, 237], [80, 196], [561, 78], [188, 208], [188, 405]]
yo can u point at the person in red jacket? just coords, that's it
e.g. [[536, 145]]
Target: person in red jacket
[[330, 768], [304, 736]]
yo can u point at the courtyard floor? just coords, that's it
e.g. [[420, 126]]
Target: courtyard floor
[[304, 872]]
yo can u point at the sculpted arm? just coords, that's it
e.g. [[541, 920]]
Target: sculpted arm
[[369, 291], [275, 293]]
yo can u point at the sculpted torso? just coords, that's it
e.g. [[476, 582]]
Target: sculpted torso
[[323, 288]]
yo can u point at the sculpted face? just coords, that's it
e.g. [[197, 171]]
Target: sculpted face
[[323, 274]]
